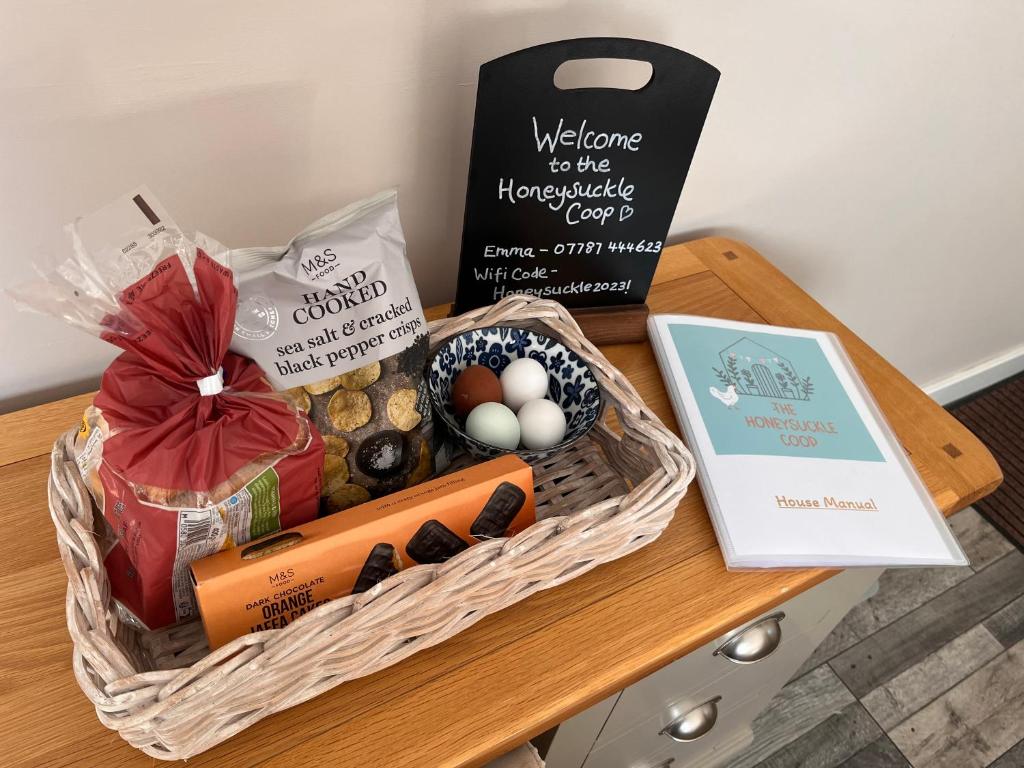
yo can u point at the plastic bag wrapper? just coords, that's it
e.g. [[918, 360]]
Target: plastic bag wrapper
[[186, 448], [335, 320]]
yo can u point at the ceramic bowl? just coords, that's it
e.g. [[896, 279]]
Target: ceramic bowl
[[570, 382]]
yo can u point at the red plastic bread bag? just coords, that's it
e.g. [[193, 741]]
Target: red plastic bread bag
[[185, 449]]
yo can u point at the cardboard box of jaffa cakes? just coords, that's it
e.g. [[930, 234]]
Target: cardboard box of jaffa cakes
[[269, 583], [335, 320]]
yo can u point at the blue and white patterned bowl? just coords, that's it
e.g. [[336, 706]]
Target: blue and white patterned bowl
[[570, 381]]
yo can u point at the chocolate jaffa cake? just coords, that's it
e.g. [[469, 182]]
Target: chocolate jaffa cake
[[383, 561], [499, 512], [434, 542]]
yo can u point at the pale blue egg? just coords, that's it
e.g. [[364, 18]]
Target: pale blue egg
[[494, 424]]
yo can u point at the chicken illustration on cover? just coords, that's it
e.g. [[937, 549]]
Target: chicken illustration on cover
[[729, 398]]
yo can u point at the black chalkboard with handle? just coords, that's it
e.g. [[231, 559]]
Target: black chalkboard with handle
[[571, 192]]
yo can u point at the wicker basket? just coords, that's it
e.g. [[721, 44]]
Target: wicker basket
[[611, 493]]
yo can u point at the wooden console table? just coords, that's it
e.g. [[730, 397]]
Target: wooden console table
[[516, 673]]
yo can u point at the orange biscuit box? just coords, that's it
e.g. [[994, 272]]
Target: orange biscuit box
[[269, 583]]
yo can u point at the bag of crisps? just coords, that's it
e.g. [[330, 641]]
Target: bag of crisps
[[335, 320], [186, 448]]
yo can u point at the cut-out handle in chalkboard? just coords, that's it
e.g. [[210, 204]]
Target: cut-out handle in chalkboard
[[619, 74], [536, 67]]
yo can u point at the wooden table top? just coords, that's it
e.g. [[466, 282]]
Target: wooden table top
[[515, 673]]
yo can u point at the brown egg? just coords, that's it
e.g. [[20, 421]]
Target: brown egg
[[476, 384]]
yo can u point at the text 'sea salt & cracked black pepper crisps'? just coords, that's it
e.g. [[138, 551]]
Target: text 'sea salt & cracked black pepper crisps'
[[335, 320]]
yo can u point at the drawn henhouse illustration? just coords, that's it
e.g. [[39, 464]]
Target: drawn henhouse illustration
[[755, 370]]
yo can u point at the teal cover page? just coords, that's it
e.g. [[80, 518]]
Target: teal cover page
[[770, 394]]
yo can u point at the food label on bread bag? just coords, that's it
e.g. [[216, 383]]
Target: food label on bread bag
[[341, 297], [130, 222], [252, 512], [89, 451]]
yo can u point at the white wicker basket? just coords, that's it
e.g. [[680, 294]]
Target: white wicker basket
[[611, 493]]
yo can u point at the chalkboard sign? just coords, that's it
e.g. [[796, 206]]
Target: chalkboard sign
[[571, 192]]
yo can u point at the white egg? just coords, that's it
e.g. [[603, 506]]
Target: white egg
[[524, 379], [541, 424], [494, 424]]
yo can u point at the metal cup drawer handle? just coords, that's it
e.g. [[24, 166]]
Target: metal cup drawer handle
[[754, 643], [695, 723]]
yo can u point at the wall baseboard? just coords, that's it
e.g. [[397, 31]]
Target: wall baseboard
[[976, 378]]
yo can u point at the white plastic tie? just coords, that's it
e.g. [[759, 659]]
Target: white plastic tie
[[211, 385]]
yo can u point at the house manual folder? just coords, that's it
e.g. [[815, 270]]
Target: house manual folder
[[796, 462]]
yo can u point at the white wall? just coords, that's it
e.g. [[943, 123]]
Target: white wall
[[873, 150]]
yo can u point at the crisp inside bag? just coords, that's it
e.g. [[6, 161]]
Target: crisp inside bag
[[335, 320], [186, 448]]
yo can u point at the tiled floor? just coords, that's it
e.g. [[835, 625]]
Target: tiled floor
[[927, 672]]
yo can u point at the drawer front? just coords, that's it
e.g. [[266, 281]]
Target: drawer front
[[801, 624], [646, 746], [575, 737], [662, 697]]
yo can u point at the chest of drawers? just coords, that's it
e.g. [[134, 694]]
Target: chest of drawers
[[698, 710]]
